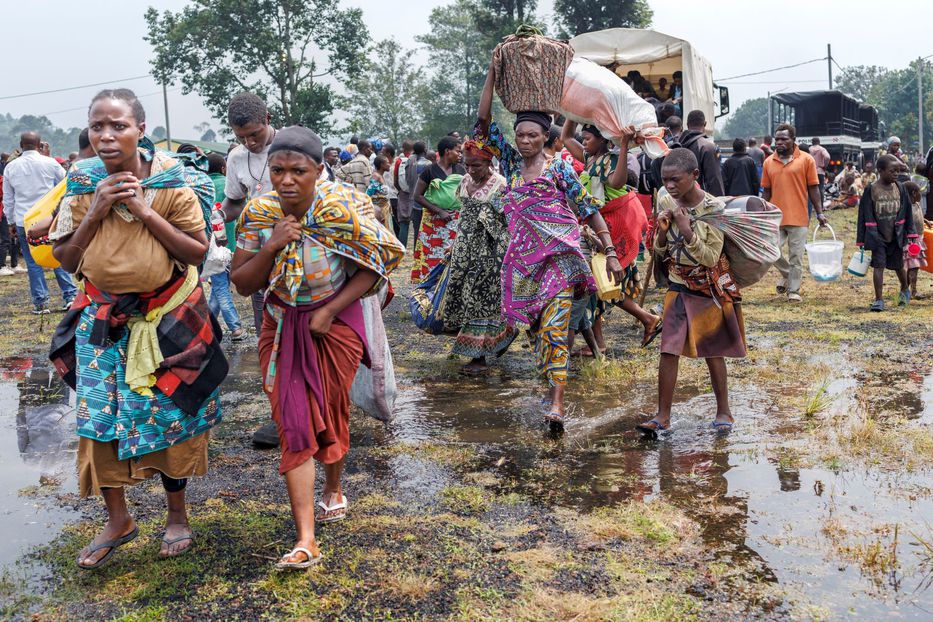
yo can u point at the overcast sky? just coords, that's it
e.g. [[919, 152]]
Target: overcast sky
[[53, 44]]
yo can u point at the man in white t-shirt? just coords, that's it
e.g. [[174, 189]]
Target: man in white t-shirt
[[248, 177]]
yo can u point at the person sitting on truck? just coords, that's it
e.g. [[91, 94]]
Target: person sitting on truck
[[704, 149], [663, 92], [739, 172], [677, 91]]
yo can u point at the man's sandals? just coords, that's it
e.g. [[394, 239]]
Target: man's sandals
[[652, 331]]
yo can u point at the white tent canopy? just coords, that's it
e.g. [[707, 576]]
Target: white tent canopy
[[655, 55]]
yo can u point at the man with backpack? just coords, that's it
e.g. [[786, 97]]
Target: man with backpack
[[704, 149]]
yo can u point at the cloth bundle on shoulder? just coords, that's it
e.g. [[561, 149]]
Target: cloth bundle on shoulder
[[443, 192], [752, 227], [529, 70], [596, 96]]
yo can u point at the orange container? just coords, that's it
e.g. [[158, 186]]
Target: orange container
[[928, 241]]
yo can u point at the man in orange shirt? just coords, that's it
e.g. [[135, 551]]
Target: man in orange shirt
[[789, 179]]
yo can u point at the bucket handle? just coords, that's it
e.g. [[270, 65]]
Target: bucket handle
[[830, 230]]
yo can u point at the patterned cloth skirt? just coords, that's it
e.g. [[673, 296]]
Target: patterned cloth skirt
[[698, 326]]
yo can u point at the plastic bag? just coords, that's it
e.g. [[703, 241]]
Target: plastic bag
[[443, 192], [218, 258], [529, 72], [374, 390], [596, 96]]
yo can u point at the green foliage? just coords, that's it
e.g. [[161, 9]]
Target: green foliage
[[61, 141], [459, 59], [575, 17], [749, 119], [276, 48], [894, 93], [388, 98]]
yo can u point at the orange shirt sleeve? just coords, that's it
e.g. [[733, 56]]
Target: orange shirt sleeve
[[812, 178], [765, 175]]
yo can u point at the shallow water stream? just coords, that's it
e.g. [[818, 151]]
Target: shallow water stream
[[762, 515]]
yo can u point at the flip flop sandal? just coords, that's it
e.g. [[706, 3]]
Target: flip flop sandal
[[325, 515], [722, 427], [176, 541], [310, 561], [647, 429], [877, 306], [113, 545], [653, 333]]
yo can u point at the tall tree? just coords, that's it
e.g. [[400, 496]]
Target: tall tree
[[496, 19], [574, 17], [388, 98], [459, 60], [61, 141], [279, 49], [859, 80], [749, 119]]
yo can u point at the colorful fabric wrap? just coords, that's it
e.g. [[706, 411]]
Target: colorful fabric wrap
[[294, 366], [189, 170], [544, 257], [332, 222], [193, 364], [479, 148]]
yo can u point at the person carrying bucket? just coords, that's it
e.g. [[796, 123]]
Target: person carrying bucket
[[789, 179], [886, 227]]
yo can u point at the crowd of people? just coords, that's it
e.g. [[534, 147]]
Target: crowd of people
[[513, 232]]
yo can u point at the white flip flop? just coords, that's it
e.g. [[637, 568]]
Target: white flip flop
[[312, 560], [328, 509]]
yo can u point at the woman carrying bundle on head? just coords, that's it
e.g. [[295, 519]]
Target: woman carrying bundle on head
[[139, 344], [605, 176], [435, 192], [544, 269], [316, 256], [473, 302]]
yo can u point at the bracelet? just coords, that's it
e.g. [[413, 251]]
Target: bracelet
[[601, 231], [609, 249]]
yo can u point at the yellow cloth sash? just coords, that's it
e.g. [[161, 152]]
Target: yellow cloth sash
[[143, 354]]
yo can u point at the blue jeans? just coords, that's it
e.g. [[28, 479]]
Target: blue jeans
[[221, 302], [38, 288]]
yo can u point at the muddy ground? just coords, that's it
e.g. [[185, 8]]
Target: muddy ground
[[816, 507]]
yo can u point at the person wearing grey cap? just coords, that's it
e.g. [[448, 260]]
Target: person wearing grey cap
[[310, 247]]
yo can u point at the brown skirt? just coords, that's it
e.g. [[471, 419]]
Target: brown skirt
[[696, 326], [98, 466], [338, 355]]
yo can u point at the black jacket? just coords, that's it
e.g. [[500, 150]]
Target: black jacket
[[867, 232], [740, 175], [705, 151]]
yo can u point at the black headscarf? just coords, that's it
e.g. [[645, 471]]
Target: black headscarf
[[299, 139], [542, 119]]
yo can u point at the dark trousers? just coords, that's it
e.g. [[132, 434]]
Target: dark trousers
[[415, 225], [394, 204], [257, 300], [8, 245]]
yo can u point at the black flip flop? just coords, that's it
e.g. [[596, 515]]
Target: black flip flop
[[655, 331], [113, 545]]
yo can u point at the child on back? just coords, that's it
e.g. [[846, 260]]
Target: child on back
[[913, 263], [702, 309], [885, 227]]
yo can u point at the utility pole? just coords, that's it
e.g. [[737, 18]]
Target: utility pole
[[168, 128], [829, 64], [920, 105], [770, 115]]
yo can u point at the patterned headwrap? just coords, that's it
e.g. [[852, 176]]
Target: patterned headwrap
[[479, 149]]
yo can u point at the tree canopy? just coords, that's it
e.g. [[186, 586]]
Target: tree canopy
[[575, 17], [749, 119], [61, 141], [279, 49]]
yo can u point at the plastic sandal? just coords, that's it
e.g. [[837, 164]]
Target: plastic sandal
[[877, 306], [647, 429], [175, 541], [721, 426], [652, 333], [325, 515], [310, 561], [113, 545]]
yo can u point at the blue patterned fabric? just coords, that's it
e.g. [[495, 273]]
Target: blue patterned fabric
[[108, 410]]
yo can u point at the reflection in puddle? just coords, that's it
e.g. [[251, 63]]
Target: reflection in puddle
[[37, 454]]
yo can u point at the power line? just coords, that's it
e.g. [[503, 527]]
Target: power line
[[758, 73], [778, 82], [73, 88], [45, 114]]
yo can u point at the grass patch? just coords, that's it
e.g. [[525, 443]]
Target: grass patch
[[656, 522], [818, 400], [465, 499]]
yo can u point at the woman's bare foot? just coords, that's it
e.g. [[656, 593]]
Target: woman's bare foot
[[476, 366]]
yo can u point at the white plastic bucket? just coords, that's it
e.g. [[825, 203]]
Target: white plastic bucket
[[825, 257], [860, 263]]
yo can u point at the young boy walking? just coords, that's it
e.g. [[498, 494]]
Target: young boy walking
[[702, 309], [885, 227]]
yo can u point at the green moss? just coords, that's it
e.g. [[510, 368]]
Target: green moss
[[465, 499]]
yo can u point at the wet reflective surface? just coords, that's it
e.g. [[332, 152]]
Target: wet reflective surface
[[827, 534]]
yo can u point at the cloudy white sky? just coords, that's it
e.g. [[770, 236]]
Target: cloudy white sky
[[52, 44]]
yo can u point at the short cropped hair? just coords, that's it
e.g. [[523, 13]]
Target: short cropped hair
[[681, 159], [245, 108], [786, 127]]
